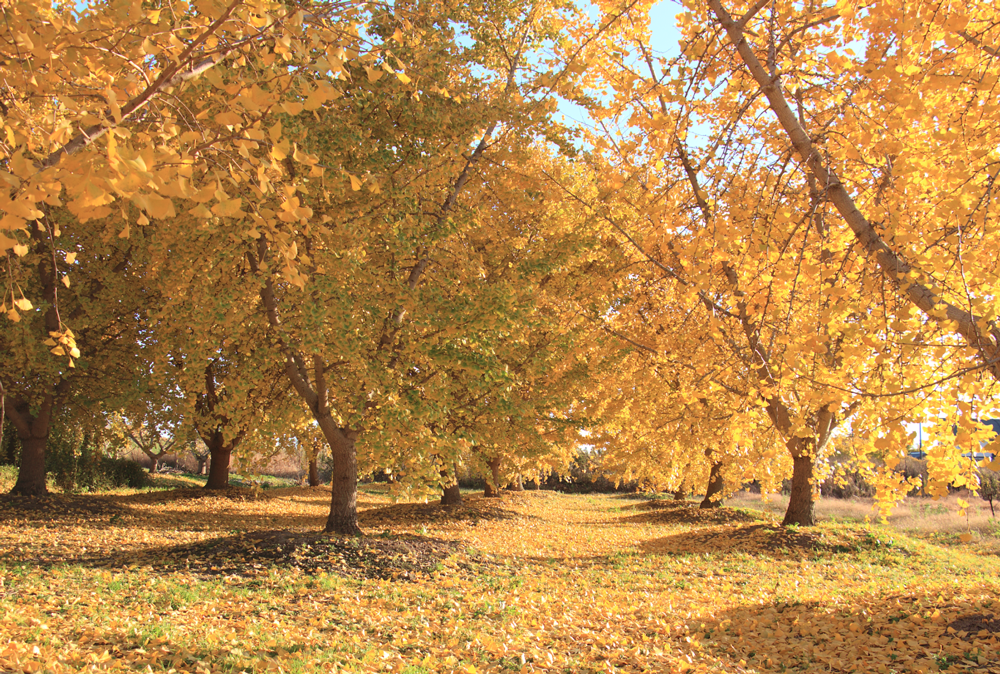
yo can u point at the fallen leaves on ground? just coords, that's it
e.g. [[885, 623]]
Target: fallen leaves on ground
[[670, 512], [532, 582], [402, 557]]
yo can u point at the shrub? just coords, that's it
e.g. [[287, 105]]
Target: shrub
[[911, 467], [846, 484], [10, 446], [75, 463], [68, 458], [8, 476], [124, 473]]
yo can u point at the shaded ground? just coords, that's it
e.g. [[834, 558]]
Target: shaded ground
[[771, 540], [186, 493], [56, 506], [472, 510], [910, 632], [252, 554], [976, 625], [682, 512]]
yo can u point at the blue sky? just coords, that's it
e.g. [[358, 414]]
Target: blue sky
[[664, 31], [663, 40]]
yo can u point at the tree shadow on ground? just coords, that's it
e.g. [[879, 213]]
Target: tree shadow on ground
[[683, 512], [239, 494], [770, 540], [79, 508], [472, 509], [658, 504], [55, 507], [196, 509], [403, 557], [920, 631]]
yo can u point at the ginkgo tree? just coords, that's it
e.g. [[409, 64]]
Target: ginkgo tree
[[102, 135], [885, 113], [752, 244], [49, 370], [215, 354], [348, 232], [93, 112]]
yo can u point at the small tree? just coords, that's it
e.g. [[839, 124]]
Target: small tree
[[989, 488], [154, 437]]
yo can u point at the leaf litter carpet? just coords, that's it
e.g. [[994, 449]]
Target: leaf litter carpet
[[532, 582]]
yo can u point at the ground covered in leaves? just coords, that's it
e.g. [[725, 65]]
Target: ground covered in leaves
[[532, 582]]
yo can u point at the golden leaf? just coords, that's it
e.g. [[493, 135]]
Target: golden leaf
[[160, 207], [228, 208], [228, 118]]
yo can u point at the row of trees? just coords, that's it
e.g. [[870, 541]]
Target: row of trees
[[263, 220]]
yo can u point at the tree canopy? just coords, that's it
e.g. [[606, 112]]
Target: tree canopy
[[261, 221]]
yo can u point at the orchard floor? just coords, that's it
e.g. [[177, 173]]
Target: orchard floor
[[532, 582]]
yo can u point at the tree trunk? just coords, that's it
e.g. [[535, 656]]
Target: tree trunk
[[715, 487], [314, 470], [801, 506], [452, 494], [155, 463], [31, 474], [493, 482], [221, 457], [202, 464], [516, 484], [33, 432], [33, 429], [343, 517]]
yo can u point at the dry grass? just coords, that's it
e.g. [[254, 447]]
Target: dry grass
[[916, 515]]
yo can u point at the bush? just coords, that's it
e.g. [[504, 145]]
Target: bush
[[75, 463], [585, 477], [8, 476], [911, 467], [10, 446], [845, 484], [124, 473]]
